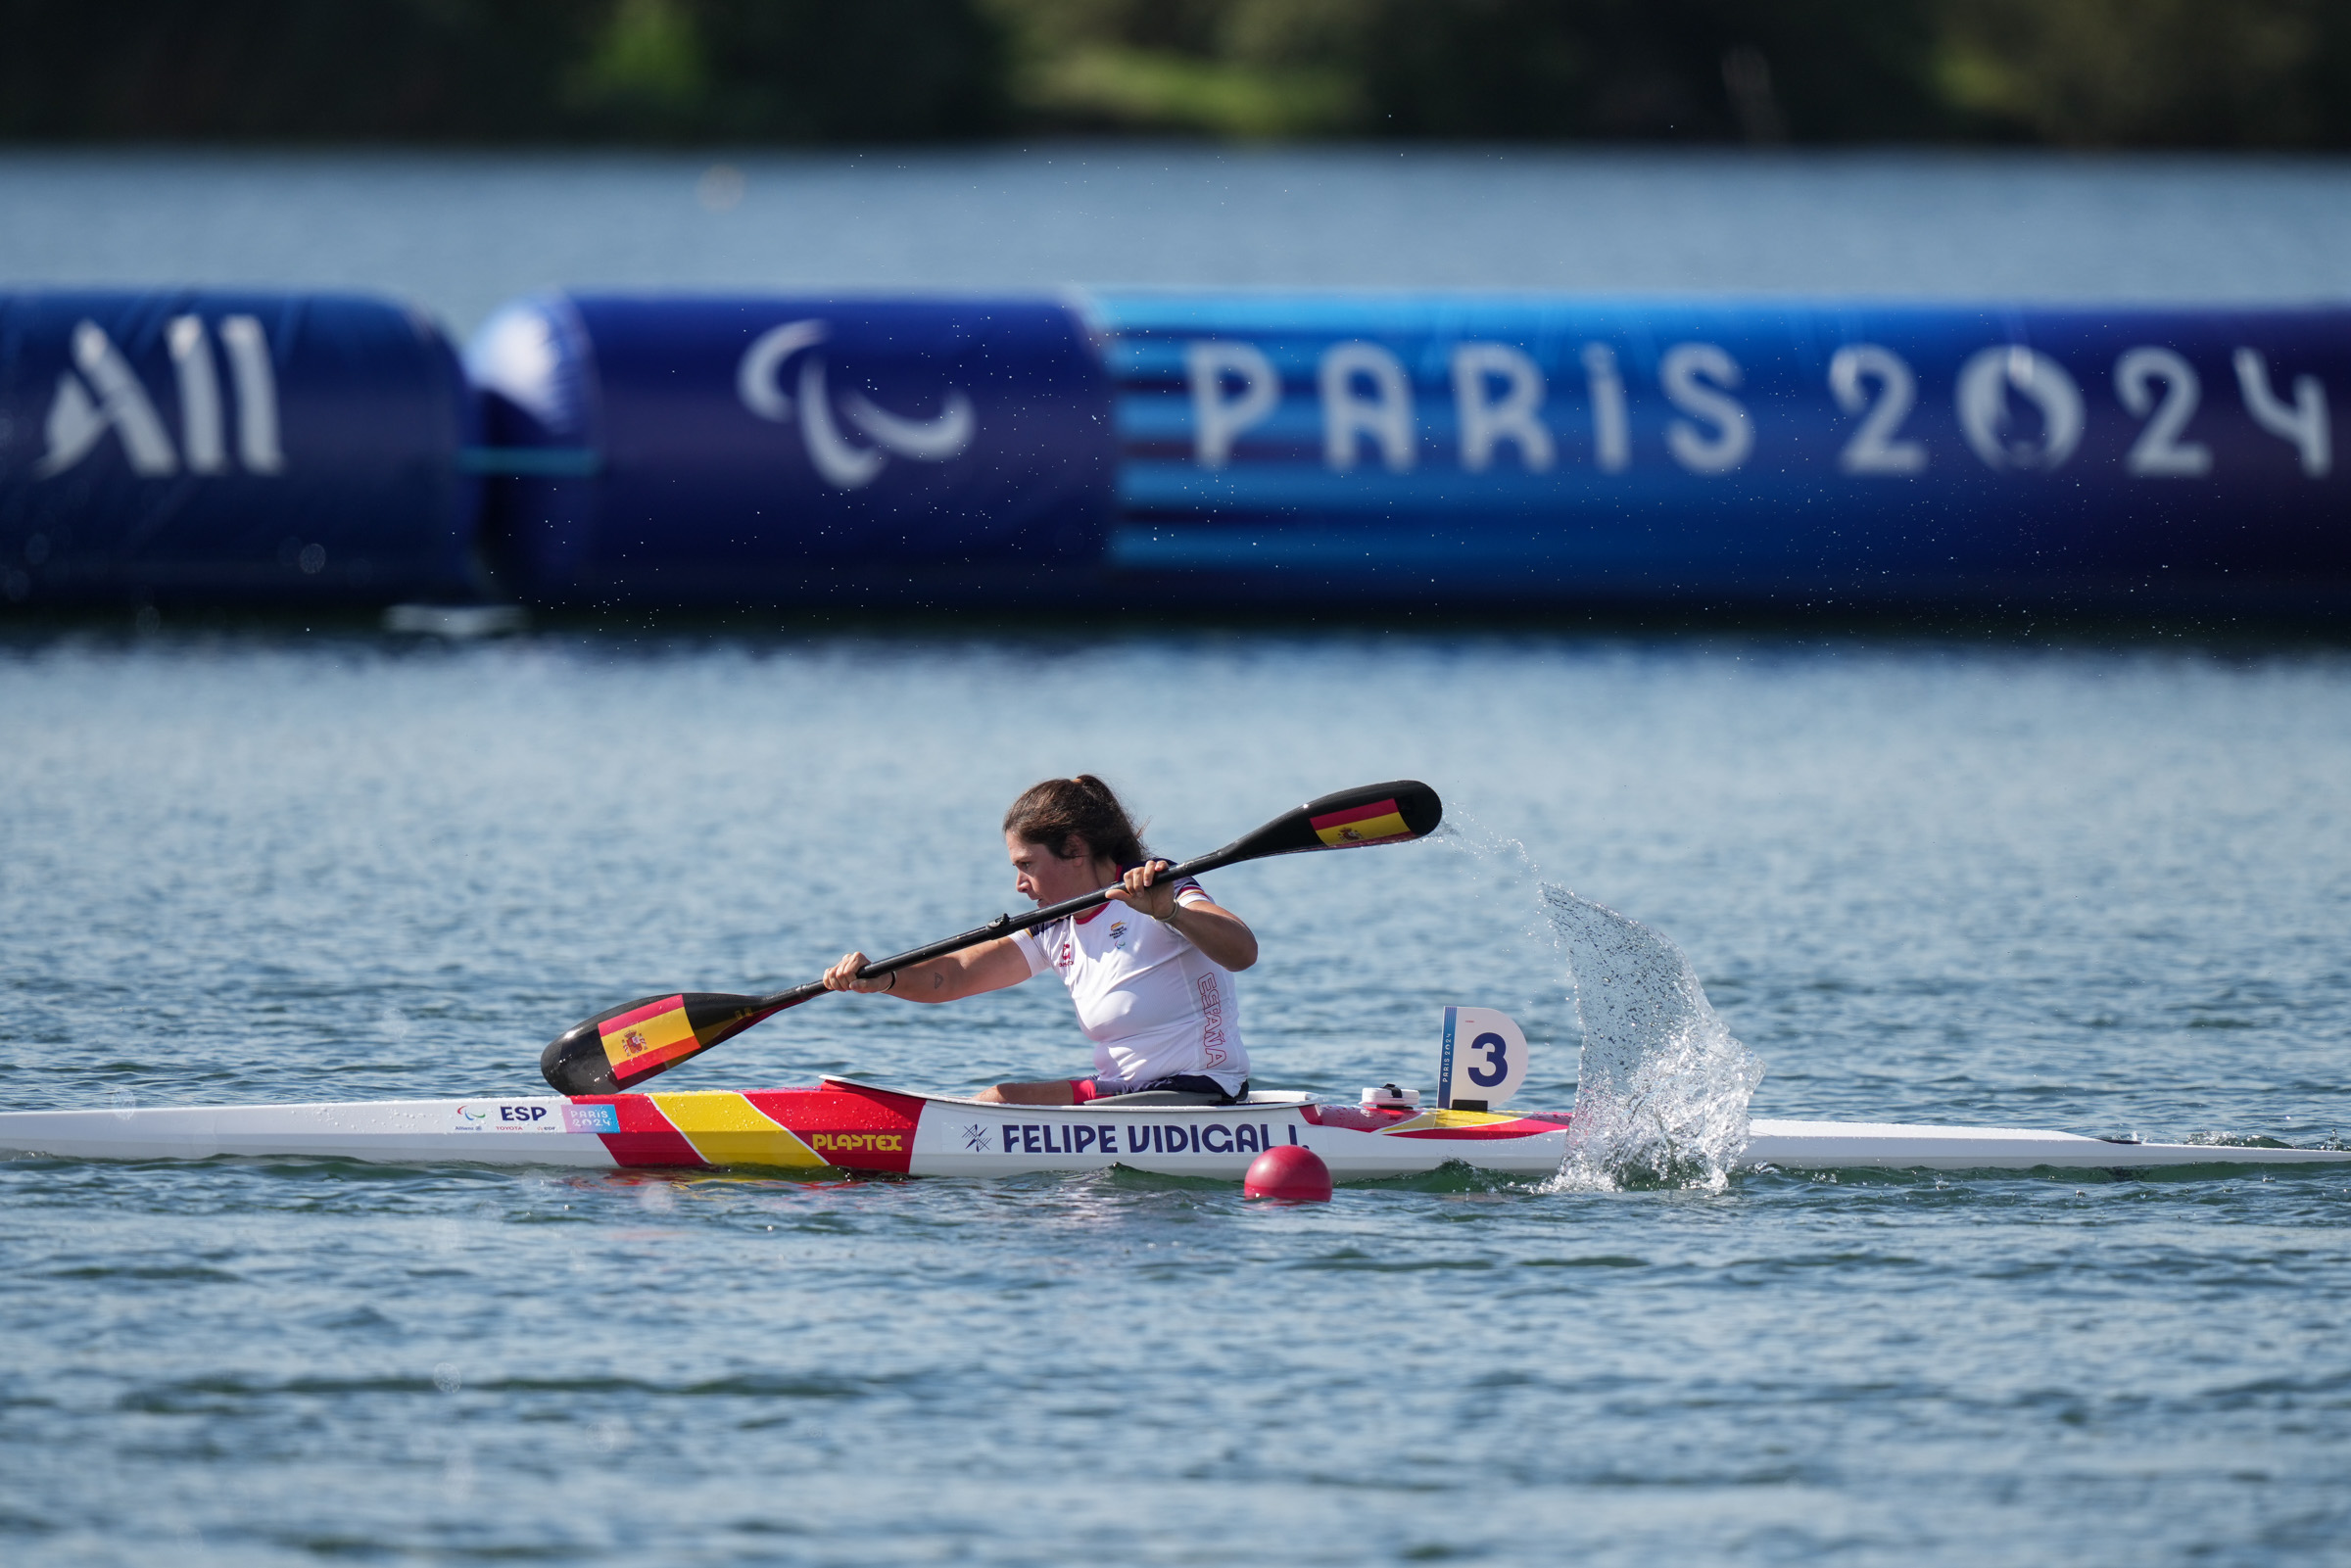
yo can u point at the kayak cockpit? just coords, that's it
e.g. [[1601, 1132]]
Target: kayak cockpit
[[1155, 1101]]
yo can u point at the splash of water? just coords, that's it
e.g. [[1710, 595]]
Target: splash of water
[[1662, 1091], [1515, 963]]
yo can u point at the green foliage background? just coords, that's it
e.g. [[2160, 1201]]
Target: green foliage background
[[2069, 72]]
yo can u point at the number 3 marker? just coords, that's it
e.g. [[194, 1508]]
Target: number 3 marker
[[1484, 1061]]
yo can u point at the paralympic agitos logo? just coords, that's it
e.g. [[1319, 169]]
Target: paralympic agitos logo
[[843, 463]]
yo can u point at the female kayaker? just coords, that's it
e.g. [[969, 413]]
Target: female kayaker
[[1151, 972]]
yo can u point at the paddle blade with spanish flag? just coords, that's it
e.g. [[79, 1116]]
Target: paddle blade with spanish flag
[[623, 1046], [649, 1035], [1375, 823], [1389, 813]]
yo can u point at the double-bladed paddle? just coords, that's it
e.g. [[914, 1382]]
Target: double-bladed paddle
[[623, 1046]]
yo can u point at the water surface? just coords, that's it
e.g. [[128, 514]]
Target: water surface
[[464, 233], [2092, 888]]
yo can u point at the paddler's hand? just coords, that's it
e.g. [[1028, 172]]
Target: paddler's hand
[[1141, 890], [842, 977]]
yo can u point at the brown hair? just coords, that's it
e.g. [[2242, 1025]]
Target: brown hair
[[1083, 808]]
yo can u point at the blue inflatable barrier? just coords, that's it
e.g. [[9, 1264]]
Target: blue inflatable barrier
[[1292, 449], [806, 451], [794, 450], [1302, 449], [230, 448]]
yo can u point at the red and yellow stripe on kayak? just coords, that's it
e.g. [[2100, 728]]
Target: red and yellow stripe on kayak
[[773, 1129], [1481, 1125], [1374, 824]]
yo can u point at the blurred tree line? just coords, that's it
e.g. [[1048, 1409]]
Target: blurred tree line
[[2072, 73]]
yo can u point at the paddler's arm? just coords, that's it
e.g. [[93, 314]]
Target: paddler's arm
[[989, 966], [1224, 938]]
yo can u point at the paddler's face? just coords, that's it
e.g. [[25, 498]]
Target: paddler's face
[[1045, 878]]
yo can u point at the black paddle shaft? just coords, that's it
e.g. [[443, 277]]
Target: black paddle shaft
[[686, 1023]]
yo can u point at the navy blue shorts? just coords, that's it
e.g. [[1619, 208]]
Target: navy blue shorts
[[1084, 1089]]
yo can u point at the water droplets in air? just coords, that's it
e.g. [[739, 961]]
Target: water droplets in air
[[1662, 1091]]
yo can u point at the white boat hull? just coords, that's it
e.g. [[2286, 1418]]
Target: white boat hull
[[1899, 1146], [850, 1126]]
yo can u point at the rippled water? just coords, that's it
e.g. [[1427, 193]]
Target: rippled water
[[466, 233], [2092, 888]]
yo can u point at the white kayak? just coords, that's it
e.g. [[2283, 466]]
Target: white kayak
[[843, 1126]]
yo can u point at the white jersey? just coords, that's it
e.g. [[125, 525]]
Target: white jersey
[[1152, 1003]]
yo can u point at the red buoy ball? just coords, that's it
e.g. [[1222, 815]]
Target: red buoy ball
[[1290, 1172]]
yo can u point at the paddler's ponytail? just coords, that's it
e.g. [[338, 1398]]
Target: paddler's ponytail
[[1084, 808]]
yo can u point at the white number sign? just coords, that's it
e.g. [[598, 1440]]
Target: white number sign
[[1485, 1057]]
